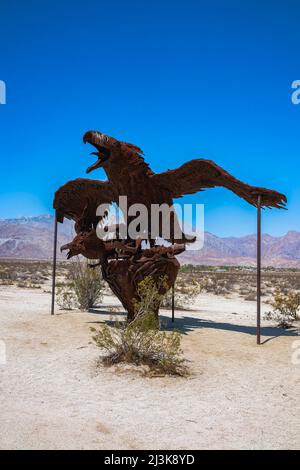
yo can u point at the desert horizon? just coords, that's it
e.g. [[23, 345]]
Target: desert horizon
[[32, 238]]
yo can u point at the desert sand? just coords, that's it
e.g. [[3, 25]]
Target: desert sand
[[53, 396]]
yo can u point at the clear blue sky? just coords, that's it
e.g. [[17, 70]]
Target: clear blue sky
[[181, 79]]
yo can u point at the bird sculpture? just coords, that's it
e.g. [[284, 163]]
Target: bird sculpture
[[129, 175]]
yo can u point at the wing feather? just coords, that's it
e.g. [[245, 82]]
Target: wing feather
[[199, 174], [80, 198]]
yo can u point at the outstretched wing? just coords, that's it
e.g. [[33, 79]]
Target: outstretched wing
[[200, 174], [80, 198]]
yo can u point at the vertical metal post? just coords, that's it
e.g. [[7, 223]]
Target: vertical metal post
[[173, 287], [173, 304], [258, 269], [54, 265]]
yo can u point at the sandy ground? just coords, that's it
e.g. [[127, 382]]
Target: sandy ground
[[239, 396]]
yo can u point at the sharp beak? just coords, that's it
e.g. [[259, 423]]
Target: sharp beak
[[95, 165], [91, 137], [64, 247], [96, 139], [67, 247]]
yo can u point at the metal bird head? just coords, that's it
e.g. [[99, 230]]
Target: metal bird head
[[106, 148], [75, 248], [112, 153], [85, 243]]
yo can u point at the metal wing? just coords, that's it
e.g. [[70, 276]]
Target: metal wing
[[79, 199], [200, 174]]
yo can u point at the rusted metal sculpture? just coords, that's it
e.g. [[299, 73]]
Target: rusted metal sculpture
[[123, 262]]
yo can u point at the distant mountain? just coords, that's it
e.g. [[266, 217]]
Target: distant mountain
[[276, 251], [32, 237]]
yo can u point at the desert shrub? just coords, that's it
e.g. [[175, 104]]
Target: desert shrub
[[251, 296], [150, 295], [28, 285], [6, 282], [180, 300], [184, 295], [66, 298], [243, 291], [140, 342], [215, 285], [87, 284], [23, 274], [83, 289], [285, 308]]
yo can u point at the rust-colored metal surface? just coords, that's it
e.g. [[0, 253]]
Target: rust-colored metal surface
[[123, 262]]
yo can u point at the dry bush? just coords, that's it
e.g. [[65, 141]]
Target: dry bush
[[244, 291], [24, 274], [6, 282], [251, 296], [184, 295], [28, 285], [66, 298], [150, 296], [87, 284], [215, 284], [241, 280], [207, 283], [285, 308], [83, 289], [140, 342]]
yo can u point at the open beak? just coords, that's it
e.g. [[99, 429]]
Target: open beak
[[94, 138], [67, 247], [95, 165]]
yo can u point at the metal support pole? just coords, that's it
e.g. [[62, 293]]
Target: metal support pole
[[54, 265], [173, 287], [258, 268], [173, 304]]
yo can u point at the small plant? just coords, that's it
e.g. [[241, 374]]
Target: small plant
[[140, 342], [87, 284], [83, 288], [184, 296], [28, 285], [150, 296], [251, 296], [66, 298], [6, 282], [285, 308]]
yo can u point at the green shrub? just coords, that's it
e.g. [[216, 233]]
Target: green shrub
[[150, 296], [285, 308], [66, 298], [83, 288], [142, 343], [184, 295]]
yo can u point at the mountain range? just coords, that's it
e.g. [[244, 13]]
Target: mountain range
[[32, 238]]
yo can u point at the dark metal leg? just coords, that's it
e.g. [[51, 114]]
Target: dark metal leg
[[54, 265], [258, 268]]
